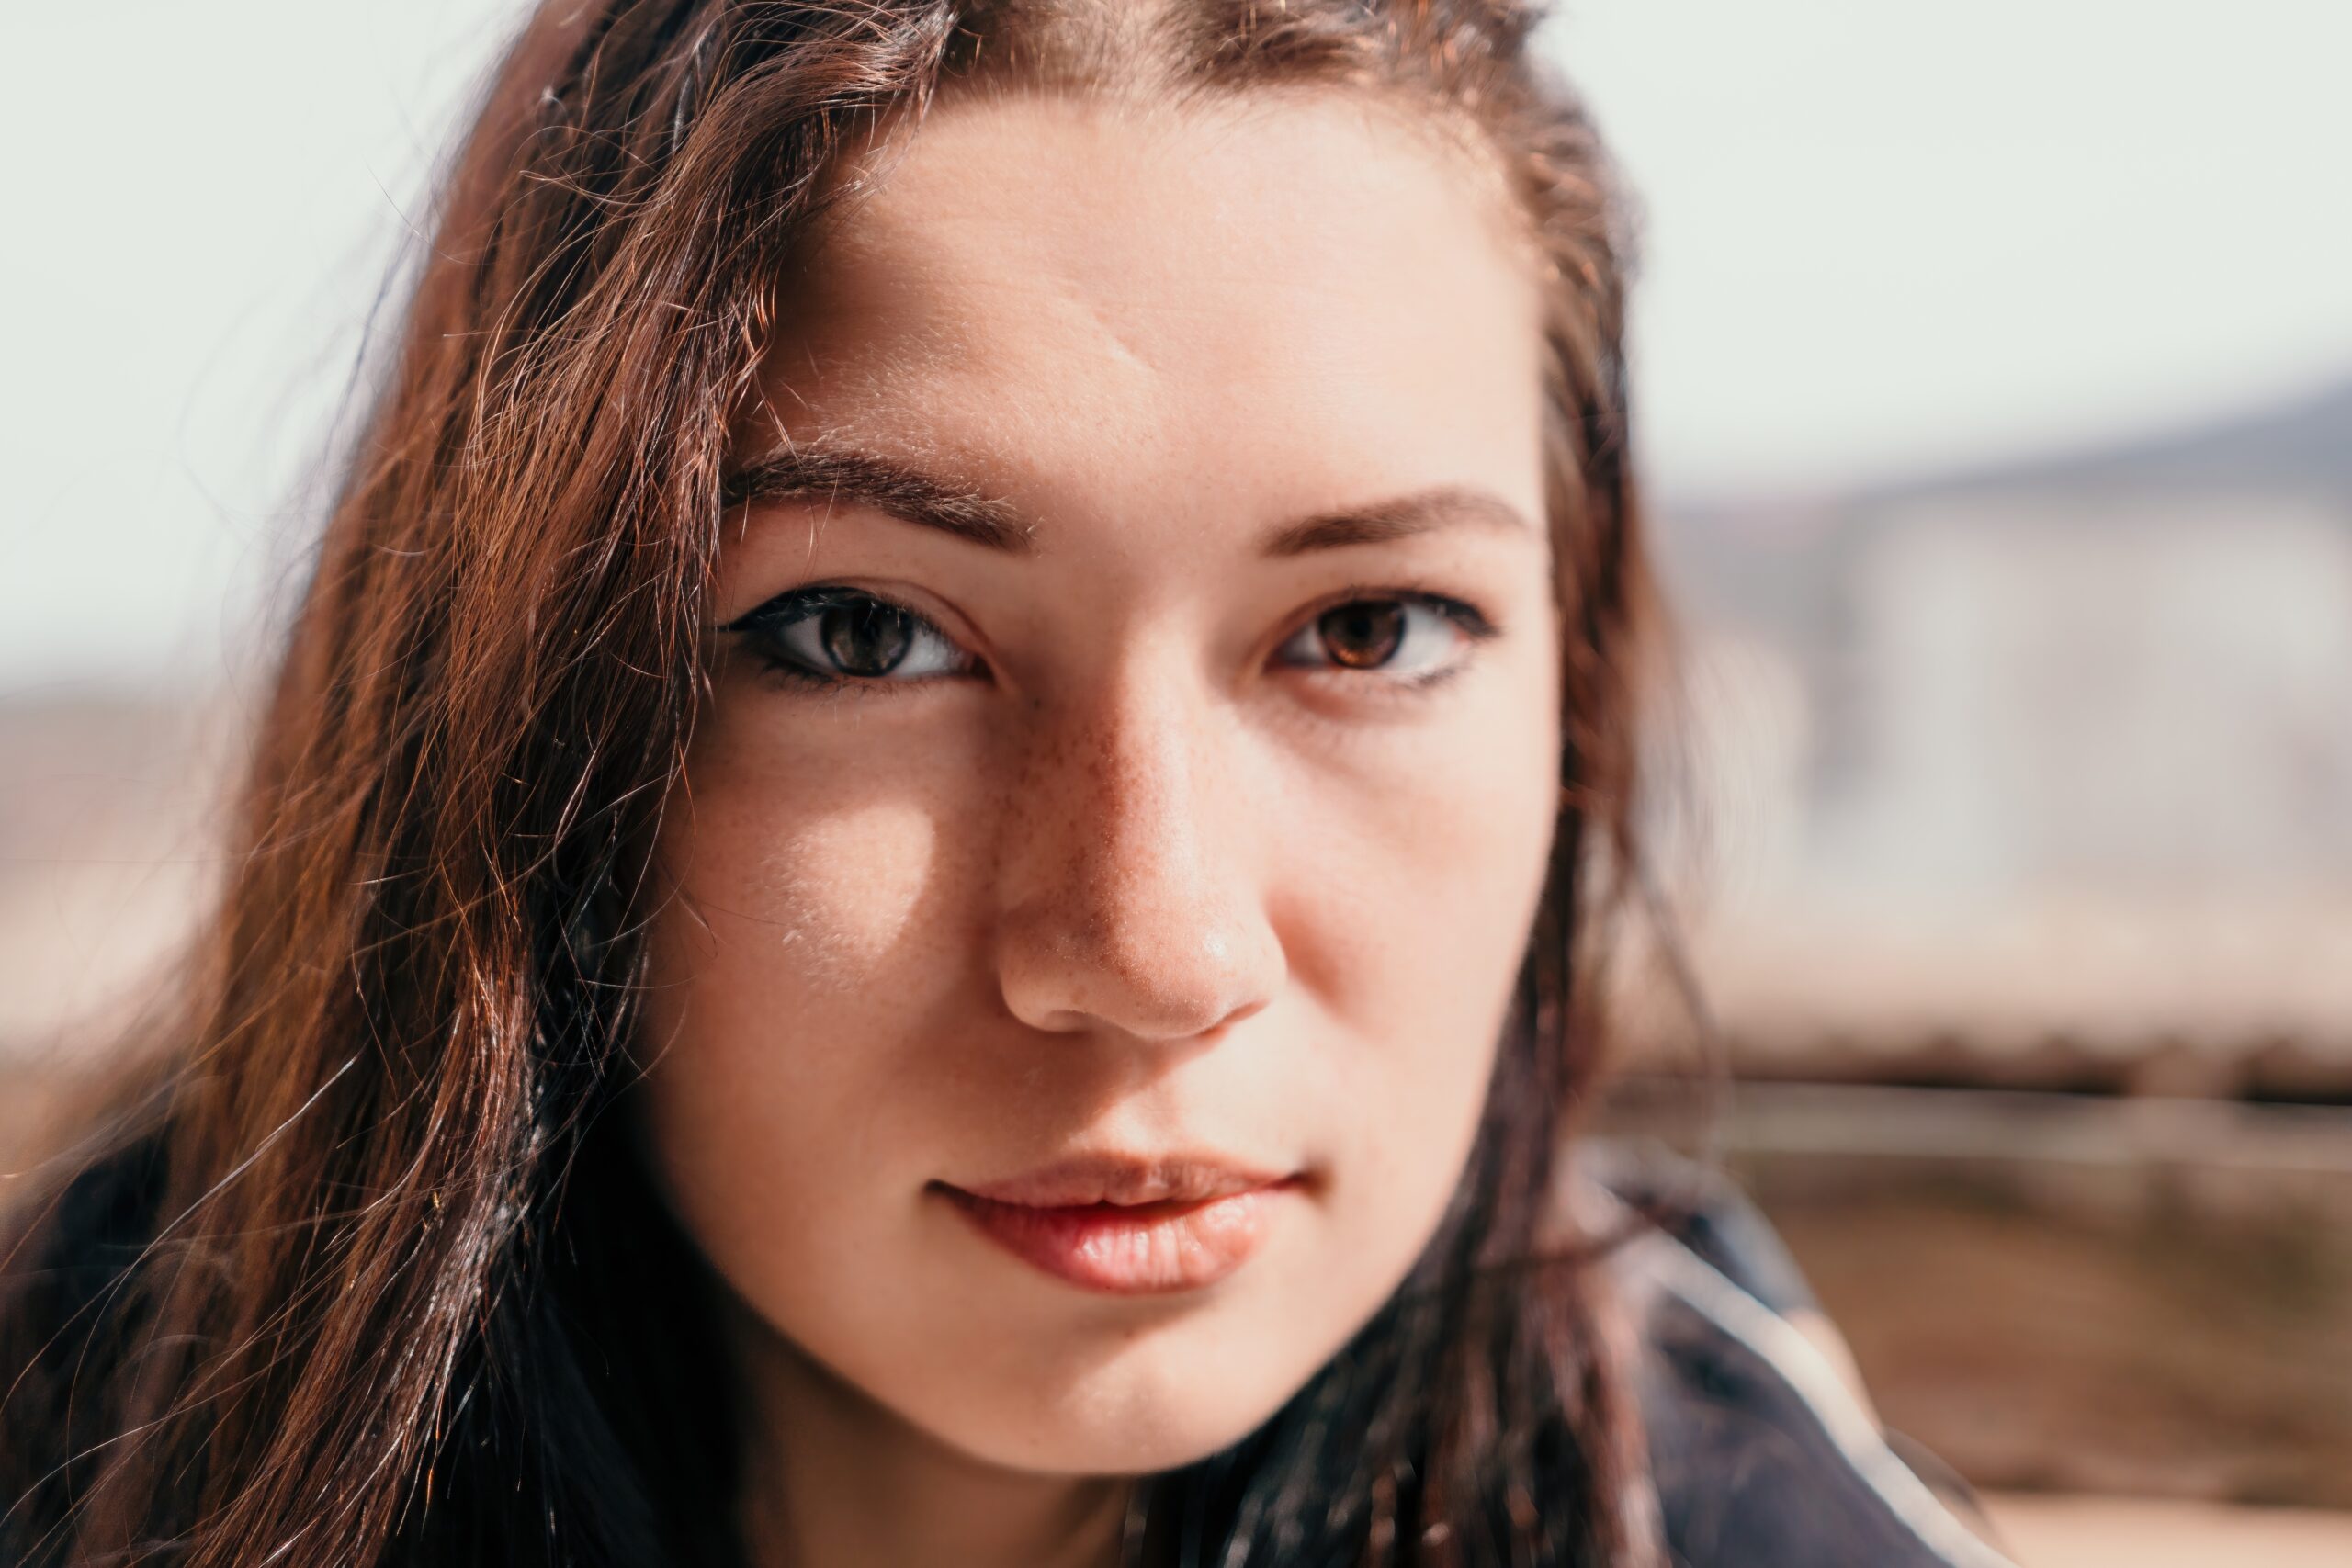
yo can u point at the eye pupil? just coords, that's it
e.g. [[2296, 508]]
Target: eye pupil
[[1363, 635], [867, 636]]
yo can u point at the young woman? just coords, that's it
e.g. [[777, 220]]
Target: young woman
[[924, 882]]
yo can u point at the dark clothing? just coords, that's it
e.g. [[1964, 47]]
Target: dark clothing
[[1760, 1455]]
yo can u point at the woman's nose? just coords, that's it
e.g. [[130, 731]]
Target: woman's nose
[[1132, 876]]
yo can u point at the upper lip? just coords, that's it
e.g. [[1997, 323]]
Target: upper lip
[[1128, 1180]]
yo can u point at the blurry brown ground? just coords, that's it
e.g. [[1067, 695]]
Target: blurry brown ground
[[2062, 1293]]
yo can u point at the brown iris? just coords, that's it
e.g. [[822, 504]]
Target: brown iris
[[864, 636], [1362, 635]]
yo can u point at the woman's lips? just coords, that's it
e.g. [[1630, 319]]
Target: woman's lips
[[1133, 1248]]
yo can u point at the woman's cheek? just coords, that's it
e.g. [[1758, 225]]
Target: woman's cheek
[[815, 840], [1443, 860], [782, 986], [1408, 898], [818, 911], [804, 893]]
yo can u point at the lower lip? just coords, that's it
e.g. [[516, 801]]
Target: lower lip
[[1132, 1251]]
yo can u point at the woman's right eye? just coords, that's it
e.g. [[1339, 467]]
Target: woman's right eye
[[841, 636]]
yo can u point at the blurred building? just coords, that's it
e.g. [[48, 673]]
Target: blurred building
[[2054, 756]]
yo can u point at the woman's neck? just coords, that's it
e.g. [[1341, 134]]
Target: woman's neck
[[832, 1480]]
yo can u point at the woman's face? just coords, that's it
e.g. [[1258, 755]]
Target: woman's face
[[1180, 794]]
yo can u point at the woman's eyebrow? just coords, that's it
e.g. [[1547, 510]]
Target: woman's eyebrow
[[814, 467], [1401, 517]]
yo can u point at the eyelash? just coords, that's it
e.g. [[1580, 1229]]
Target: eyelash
[[789, 609]]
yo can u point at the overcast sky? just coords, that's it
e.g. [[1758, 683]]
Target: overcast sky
[[1879, 234]]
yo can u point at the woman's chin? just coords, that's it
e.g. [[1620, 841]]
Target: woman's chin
[[1137, 1404], [1127, 1435]]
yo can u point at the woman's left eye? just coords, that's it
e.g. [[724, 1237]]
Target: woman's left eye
[[1414, 639]]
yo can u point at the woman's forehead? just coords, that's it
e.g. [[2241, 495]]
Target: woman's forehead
[[1045, 275]]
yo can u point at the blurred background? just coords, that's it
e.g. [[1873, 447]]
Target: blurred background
[[1995, 380]]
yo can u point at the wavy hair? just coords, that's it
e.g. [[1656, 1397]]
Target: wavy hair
[[360, 1267]]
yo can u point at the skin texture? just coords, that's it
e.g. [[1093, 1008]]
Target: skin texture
[[1146, 868]]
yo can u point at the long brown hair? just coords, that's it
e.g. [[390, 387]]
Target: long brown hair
[[362, 1269]]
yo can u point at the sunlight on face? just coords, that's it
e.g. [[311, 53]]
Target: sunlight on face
[[1161, 822]]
